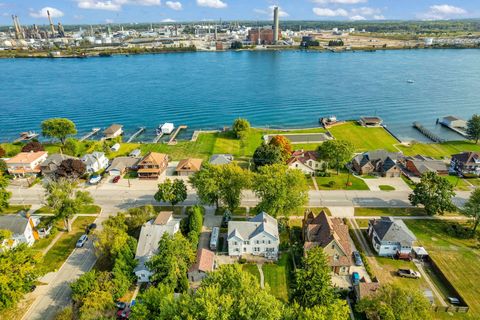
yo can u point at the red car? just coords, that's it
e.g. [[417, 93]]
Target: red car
[[116, 179], [123, 314]]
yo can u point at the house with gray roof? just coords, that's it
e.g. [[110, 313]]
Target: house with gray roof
[[378, 162], [151, 233], [390, 237], [418, 165], [22, 228], [120, 165], [51, 164], [219, 159], [95, 161], [257, 236]]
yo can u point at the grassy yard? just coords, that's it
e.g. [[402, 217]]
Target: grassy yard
[[457, 258], [369, 212], [241, 211], [88, 209], [252, 269], [12, 209], [276, 276], [364, 139], [65, 245], [177, 210], [439, 150], [340, 182], [459, 184], [386, 188]]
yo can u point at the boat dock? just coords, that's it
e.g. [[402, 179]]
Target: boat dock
[[26, 136], [139, 131], [172, 140], [427, 133], [90, 134], [158, 137], [455, 124]]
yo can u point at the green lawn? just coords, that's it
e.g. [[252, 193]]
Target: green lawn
[[368, 212], [88, 209], [276, 276], [439, 150], [457, 258], [177, 210], [340, 181], [241, 211], [15, 209], [65, 245], [252, 269], [364, 139], [386, 188], [362, 223]]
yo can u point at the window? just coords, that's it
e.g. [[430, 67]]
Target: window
[[333, 246], [235, 243], [246, 242], [244, 249], [269, 242]]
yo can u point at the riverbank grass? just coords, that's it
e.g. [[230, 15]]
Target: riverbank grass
[[438, 150]]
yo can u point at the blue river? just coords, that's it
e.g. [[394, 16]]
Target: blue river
[[208, 90]]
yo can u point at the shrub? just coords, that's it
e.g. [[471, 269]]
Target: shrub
[[331, 184], [459, 231]]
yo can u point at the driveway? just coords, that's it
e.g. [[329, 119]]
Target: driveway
[[397, 183]]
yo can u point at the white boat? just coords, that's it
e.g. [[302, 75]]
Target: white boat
[[410, 81], [167, 128]]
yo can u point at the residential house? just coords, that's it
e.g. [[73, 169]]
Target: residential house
[[466, 163], [121, 165], [150, 234], [114, 131], [370, 121], [26, 163], [152, 165], [187, 167], [51, 164], [390, 237], [379, 162], [95, 161], [22, 227], [419, 165], [220, 159], [257, 236], [306, 161], [332, 235], [203, 265]]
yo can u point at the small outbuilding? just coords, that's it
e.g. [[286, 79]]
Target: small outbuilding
[[135, 153], [220, 159], [115, 147], [203, 265], [167, 128], [115, 130], [121, 165], [372, 121]]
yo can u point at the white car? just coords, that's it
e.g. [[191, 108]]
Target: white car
[[95, 179], [81, 241]]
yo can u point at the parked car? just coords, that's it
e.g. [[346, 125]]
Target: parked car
[[453, 300], [81, 242], [95, 179], [90, 227], [123, 314], [408, 273], [121, 305], [355, 278], [357, 258], [116, 179]]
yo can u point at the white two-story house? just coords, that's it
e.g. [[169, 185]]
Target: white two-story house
[[22, 228], [95, 161], [257, 236], [390, 237]]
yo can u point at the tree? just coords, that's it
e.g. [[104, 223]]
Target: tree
[[473, 128], [71, 147], [33, 146], [4, 193], [281, 190], [236, 45], [170, 265], [71, 168], [173, 192], [284, 145], [65, 200], [267, 154], [434, 193], [313, 281], [472, 208], [241, 127], [2, 152], [58, 128], [138, 216], [18, 273], [207, 184], [392, 302], [233, 180], [336, 153], [3, 166]]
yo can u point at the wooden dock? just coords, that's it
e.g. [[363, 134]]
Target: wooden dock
[[26, 136], [158, 137], [140, 130], [90, 134], [427, 133], [172, 140]]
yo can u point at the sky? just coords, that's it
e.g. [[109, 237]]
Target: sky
[[123, 11]]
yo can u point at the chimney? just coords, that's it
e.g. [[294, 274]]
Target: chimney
[[276, 25], [52, 28]]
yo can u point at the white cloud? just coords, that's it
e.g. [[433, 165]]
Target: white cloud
[[357, 18], [366, 11], [326, 12], [443, 11], [217, 4], [108, 20], [42, 13], [340, 1], [174, 5], [168, 20], [114, 5], [379, 17]]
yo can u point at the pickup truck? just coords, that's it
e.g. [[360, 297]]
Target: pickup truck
[[408, 273]]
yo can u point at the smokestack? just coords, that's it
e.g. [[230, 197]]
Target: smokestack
[[15, 25], [61, 31], [52, 28], [275, 25], [20, 29]]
